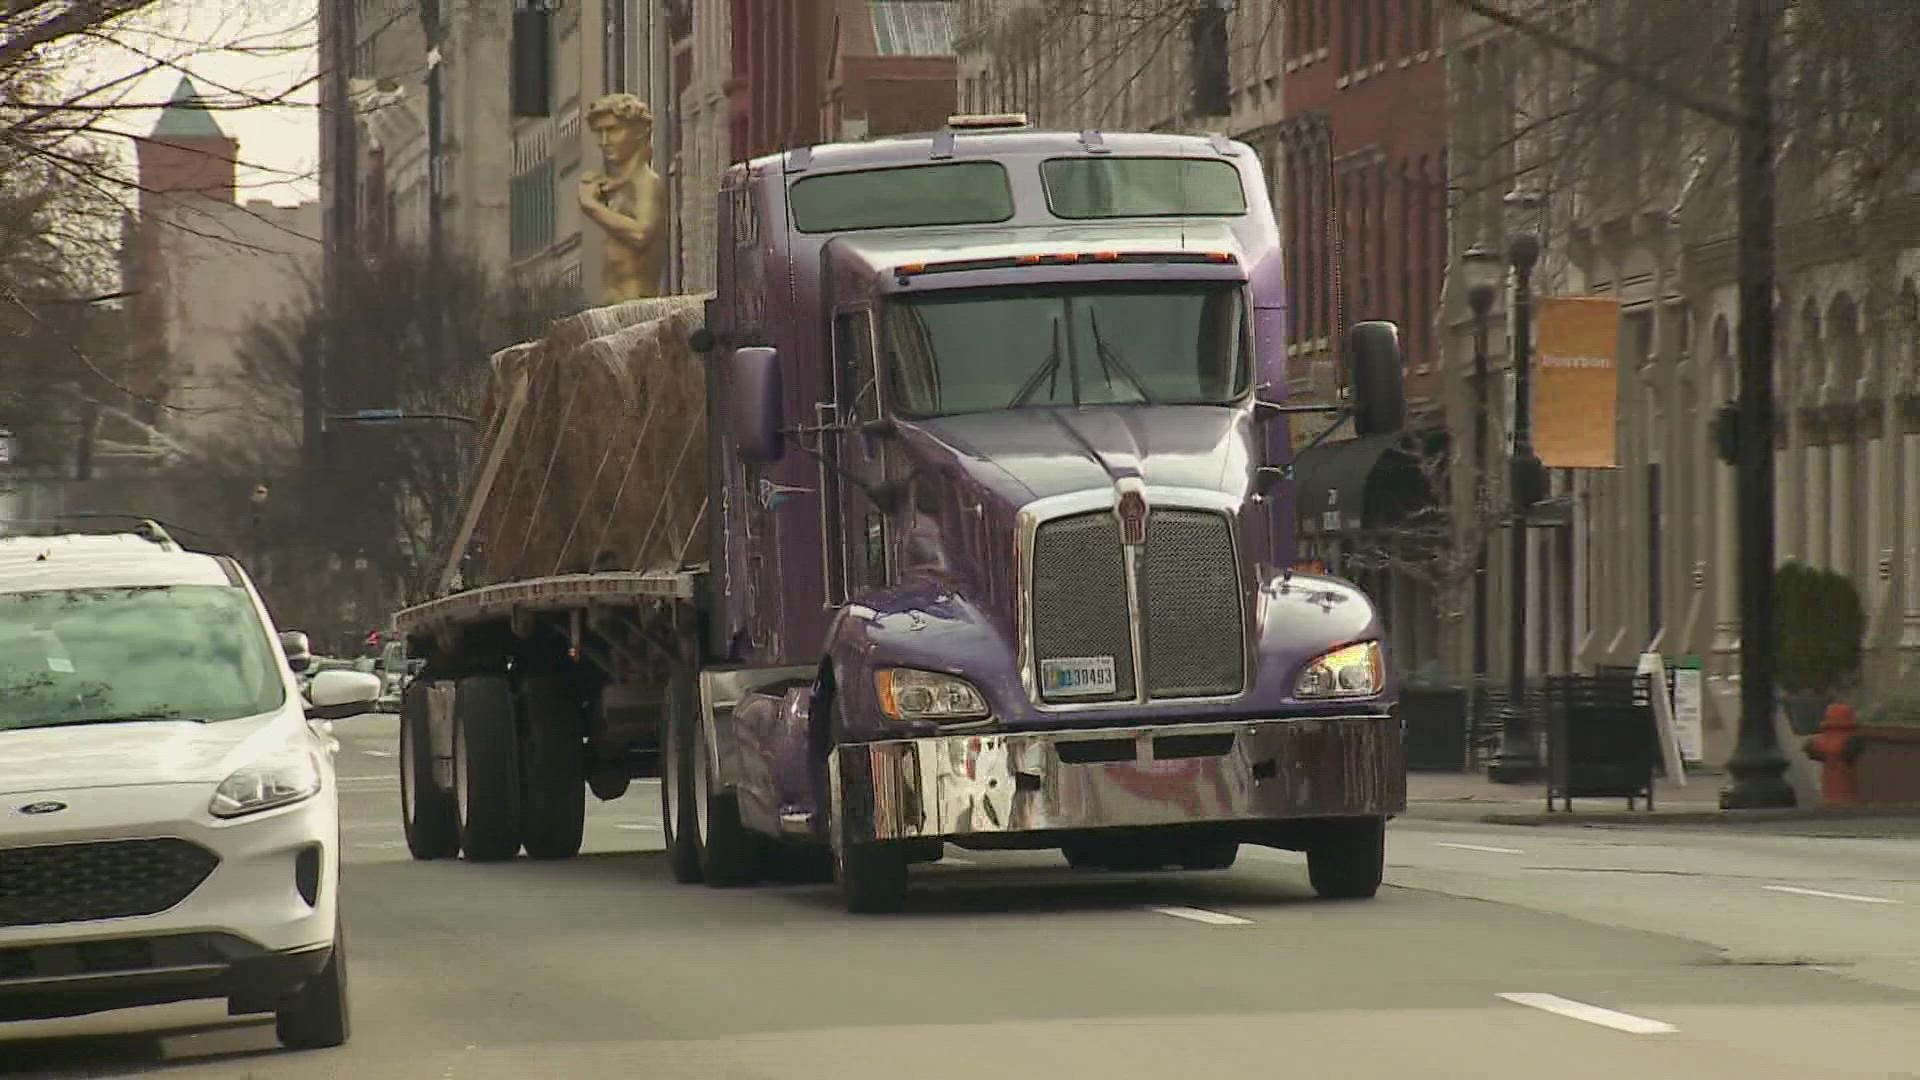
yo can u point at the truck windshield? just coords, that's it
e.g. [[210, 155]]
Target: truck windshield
[[980, 350], [97, 656]]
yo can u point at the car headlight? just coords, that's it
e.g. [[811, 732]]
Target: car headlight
[[279, 780], [1353, 671], [907, 694]]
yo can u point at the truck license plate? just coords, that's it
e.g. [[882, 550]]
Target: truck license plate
[[1079, 676]]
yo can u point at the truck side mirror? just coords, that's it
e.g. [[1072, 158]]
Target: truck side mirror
[[755, 398], [1376, 369]]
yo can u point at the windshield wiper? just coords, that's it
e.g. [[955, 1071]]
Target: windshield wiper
[[1110, 358], [1048, 372], [123, 718]]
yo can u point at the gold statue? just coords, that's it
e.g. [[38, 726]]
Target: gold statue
[[629, 200]]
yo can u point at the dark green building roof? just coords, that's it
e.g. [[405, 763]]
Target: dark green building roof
[[186, 116]]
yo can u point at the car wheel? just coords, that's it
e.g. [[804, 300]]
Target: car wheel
[[486, 779], [316, 1016], [555, 783], [1348, 858], [429, 815]]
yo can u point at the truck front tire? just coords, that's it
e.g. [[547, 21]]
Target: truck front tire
[[428, 814], [1347, 858], [871, 877], [554, 761], [485, 773], [730, 855]]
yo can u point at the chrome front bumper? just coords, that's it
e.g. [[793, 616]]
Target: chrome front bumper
[[1184, 774]]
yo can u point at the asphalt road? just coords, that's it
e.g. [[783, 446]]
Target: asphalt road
[[1494, 952]]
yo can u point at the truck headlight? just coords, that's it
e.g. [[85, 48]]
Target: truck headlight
[[281, 779], [908, 694], [1352, 671]]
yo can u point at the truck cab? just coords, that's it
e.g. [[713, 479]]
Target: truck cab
[[1003, 557]]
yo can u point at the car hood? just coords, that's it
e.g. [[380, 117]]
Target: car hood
[[134, 754], [1022, 454]]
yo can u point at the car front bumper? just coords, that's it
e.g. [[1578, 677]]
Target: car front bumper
[[275, 885], [957, 786], [75, 978]]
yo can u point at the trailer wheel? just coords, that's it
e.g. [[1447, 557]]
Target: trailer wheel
[[429, 815], [486, 777], [1347, 858], [730, 855], [554, 764], [676, 785], [872, 878]]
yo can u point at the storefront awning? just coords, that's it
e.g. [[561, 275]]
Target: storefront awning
[[1353, 484]]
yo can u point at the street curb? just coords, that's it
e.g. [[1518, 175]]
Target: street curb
[[1904, 812]]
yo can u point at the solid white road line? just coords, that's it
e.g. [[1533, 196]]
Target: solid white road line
[[1481, 847], [1211, 918], [1592, 1014], [1829, 895], [637, 826]]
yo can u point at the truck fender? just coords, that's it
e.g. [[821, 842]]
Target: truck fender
[[924, 625], [1300, 617]]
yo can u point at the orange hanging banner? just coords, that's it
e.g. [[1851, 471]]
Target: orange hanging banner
[[1576, 383]]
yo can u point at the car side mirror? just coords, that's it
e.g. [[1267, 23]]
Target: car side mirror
[[336, 695], [1376, 370], [755, 396]]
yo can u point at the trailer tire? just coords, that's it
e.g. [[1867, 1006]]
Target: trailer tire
[[676, 787], [554, 782], [730, 855], [1347, 858], [429, 815], [486, 776]]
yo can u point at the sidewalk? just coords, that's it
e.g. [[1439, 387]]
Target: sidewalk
[[1471, 797]]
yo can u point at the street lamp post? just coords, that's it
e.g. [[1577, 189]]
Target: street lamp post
[[1519, 760], [1483, 272], [259, 500]]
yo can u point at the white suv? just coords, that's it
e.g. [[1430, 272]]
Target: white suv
[[169, 821]]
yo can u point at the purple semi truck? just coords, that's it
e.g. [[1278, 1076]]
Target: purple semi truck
[[999, 532]]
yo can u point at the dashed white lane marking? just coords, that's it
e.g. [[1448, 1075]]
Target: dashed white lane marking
[[1829, 895], [1592, 1014], [379, 845], [378, 753], [957, 860], [1481, 847], [637, 826], [1200, 915]]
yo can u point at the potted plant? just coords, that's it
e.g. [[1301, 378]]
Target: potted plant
[[1818, 626]]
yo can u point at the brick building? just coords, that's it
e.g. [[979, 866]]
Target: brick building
[[1364, 200]]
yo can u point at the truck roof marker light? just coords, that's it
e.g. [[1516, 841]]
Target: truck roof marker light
[[1220, 256], [1027, 260], [1067, 257], [1106, 256], [910, 269]]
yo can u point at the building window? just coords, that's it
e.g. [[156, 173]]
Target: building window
[[613, 56], [531, 210], [912, 27]]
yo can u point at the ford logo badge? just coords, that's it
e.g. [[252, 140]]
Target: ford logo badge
[[38, 808]]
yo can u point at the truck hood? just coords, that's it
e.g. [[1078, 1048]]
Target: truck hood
[[131, 754], [1018, 455]]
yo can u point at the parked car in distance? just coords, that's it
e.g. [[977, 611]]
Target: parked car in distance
[[169, 817]]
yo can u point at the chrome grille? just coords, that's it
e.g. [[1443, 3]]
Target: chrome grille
[[1190, 595], [63, 883], [1184, 590], [1079, 594]]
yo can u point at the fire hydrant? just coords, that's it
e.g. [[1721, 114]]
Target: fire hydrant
[[1837, 747]]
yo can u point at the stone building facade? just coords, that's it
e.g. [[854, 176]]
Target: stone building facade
[[1648, 561]]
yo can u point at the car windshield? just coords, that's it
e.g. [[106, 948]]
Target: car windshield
[[89, 656], [979, 350]]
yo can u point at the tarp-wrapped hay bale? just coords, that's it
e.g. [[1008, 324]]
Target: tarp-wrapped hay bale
[[606, 470]]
